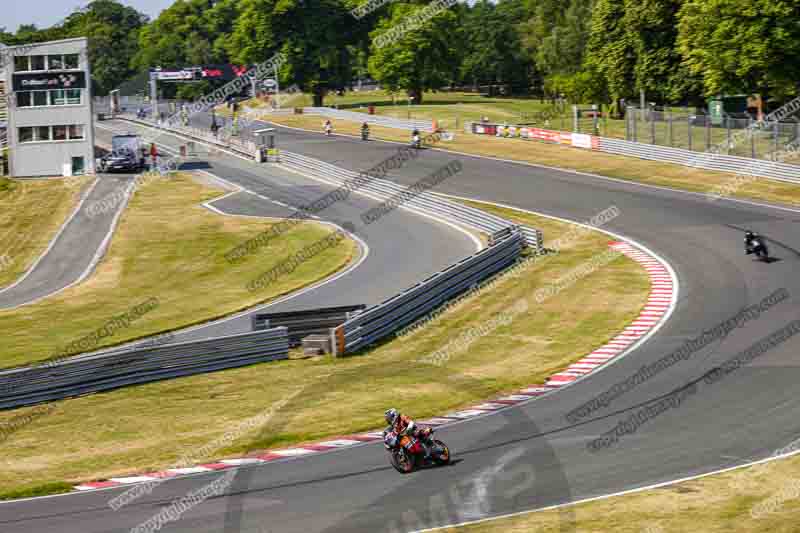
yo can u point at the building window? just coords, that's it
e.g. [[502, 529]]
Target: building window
[[73, 96], [76, 132], [59, 133], [49, 98], [39, 98], [25, 135], [41, 133], [71, 61], [38, 63], [55, 62], [21, 64], [73, 132], [50, 62], [58, 97], [24, 99]]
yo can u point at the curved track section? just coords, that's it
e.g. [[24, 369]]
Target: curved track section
[[388, 267], [536, 454], [77, 247]]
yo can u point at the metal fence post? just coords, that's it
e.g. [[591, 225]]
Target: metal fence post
[[708, 133], [652, 127], [594, 120], [689, 124], [575, 126], [669, 127], [627, 125], [633, 124], [775, 141], [752, 138], [728, 127]]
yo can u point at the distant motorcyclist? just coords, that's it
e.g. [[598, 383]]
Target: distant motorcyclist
[[365, 131], [754, 243], [328, 127], [403, 425], [415, 140]]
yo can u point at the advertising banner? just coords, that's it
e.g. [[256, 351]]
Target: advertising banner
[[582, 140], [175, 75], [45, 81], [222, 72]]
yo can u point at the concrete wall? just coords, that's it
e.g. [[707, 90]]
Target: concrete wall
[[49, 157]]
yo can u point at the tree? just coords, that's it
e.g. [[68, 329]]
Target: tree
[[742, 45], [493, 51], [313, 34], [112, 30], [610, 51], [415, 60]]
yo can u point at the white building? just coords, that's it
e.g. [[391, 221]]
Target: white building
[[50, 126]]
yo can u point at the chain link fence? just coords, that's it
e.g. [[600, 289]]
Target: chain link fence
[[701, 132]]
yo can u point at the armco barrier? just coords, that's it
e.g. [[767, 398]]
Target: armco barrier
[[377, 120], [84, 375], [506, 241], [722, 163], [301, 324], [240, 146], [426, 202], [383, 319]]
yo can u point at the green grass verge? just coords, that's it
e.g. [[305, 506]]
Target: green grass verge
[[620, 167], [31, 212], [122, 432], [171, 248]]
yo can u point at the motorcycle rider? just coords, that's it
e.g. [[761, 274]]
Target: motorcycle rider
[[327, 127], [415, 138], [365, 131], [750, 240], [404, 425]]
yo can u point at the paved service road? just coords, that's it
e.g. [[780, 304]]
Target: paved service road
[[531, 456]]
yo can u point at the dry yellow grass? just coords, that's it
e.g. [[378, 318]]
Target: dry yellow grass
[[122, 432], [620, 167], [759, 498], [31, 212], [167, 246]]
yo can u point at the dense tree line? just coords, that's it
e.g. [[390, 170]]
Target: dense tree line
[[676, 51]]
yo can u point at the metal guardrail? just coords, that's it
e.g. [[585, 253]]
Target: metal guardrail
[[85, 375], [718, 162], [301, 324], [723, 163], [383, 319], [378, 120], [506, 242], [426, 202], [243, 147]]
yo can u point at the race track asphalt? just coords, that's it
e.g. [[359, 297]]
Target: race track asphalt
[[73, 252], [531, 456], [387, 268]]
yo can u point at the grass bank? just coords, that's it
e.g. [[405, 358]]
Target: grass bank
[[620, 167], [171, 248], [31, 212], [122, 432]]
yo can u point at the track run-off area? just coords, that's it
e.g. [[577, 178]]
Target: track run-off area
[[559, 448]]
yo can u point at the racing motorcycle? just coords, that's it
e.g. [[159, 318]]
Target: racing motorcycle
[[407, 453], [416, 142], [754, 244]]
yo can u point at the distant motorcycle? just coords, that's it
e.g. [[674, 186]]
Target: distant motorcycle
[[416, 142], [407, 453], [755, 244]]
